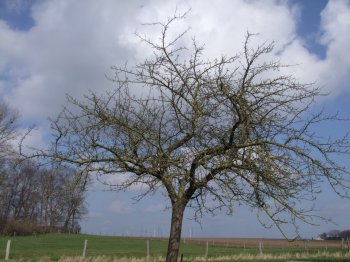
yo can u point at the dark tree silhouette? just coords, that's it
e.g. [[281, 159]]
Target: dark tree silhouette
[[36, 199]]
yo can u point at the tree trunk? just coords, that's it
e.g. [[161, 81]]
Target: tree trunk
[[175, 232]]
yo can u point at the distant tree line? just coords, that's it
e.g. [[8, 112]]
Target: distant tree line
[[336, 234], [35, 198]]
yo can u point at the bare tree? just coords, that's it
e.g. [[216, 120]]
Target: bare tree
[[333, 233], [61, 201], [45, 199], [233, 129], [345, 234], [8, 120]]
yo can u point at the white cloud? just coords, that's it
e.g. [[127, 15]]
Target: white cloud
[[94, 215], [118, 179], [332, 72], [119, 207], [222, 29], [73, 44], [155, 208], [33, 139], [69, 50], [336, 35]]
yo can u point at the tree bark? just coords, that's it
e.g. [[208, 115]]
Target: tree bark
[[175, 232]]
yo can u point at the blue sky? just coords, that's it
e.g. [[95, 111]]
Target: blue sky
[[50, 48]]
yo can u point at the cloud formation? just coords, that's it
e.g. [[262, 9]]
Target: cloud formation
[[119, 207], [72, 44], [67, 51], [331, 73]]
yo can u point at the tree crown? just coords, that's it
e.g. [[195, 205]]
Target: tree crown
[[233, 129]]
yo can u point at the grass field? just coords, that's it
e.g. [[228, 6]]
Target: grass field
[[66, 247]]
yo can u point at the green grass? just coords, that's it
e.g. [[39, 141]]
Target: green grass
[[55, 246], [58, 245]]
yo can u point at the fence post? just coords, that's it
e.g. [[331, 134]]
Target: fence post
[[8, 246], [260, 248], [206, 251], [85, 247], [147, 244]]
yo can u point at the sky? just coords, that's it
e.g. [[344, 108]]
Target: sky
[[50, 48]]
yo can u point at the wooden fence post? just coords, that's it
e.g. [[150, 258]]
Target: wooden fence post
[[85, 247], [260, 248], [306, 246], [147, 244], [8, 246], [206, 251]]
